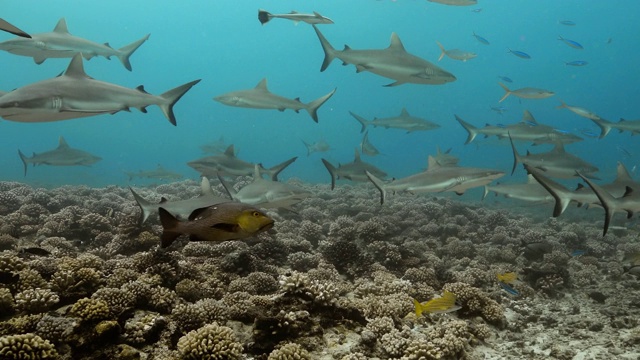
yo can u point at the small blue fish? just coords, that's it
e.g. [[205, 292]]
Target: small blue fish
[[589, 133], [573, 44], [561, 131], [499, 109], [509, 289], [578, 252], [506, 79], [567, 22], [480, 39], [520, 54], [577, 63], [476, 10]]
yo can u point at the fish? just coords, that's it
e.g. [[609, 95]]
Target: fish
[[437, 178], [179, 208], [315, 18], [9, 277], [318, 146], [354, 171], [220, 222], [576, 63], [529, 191], [403, 121], [507, 278], [505, 79], [571, 43], [633, 126], [261, 98], [366, 147], [575, 253], [567, 22], [445, 158], [74, 94], [476, 10], [159, 173], [63, 155], [481, 39], [455, 54], [535, 250], [8, 27], [215, 147], [228, 164], [34, 251], [393, 62], [508, 288], [631, 258], [632, 270], [526, 93], [61, 44], [579, 111], [499, 109], [520, 54], [266, 194], [624, 151], [455, 2], [444, 304]]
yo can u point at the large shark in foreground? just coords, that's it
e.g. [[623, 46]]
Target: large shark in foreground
[[59, 43], [74, 94], [393, 62], [63, 155], [261, 98], [8, 27]]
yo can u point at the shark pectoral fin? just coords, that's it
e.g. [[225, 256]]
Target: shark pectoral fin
[[143, 109], [362, 67], [39, 59], [394, 83], [282, 109], [459, 193]]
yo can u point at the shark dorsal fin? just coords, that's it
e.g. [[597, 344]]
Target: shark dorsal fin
[[627, 191], [256, 172], [317, 14], [404, 113], [163, 200], [61, 27], [262, 85], [293, 12], [527, 117], [396, 44], [62, 143], [357, 156], [141, 89], [76, 68], [230, 151], [432, 163], [205, 187], [580, 186], [622, 173]]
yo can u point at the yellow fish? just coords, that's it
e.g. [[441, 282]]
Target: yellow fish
[[507, 278], [444, 304]]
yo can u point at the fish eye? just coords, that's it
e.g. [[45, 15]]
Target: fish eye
[[255, 214]]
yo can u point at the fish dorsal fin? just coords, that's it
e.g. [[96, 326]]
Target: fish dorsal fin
[[256, 172], [432, 163], [76, 68], [141, 89], [107, 45], [357, 156], [205, 187], [163, 200], [404, 113], [627, 191], [195, 213], [622, 173], [62, 143], [61, 27], [230, 151], [396, 44], [262, 85], [527, 117], [293, 12], [531, 179]]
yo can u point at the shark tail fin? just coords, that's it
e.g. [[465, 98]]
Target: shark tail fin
[[329, 51], [172, 96], [442, 51], [169, 228], [604, 125], [24, 159], [274, 171], [312, 107], [379, 185], [561, 194], [607, 201], [332, 172], [127, 51], [516, 156], [486, 192], [228, 188], [264, 16], [472, 130], [146, 206], [507, 92], [364, 122], [308, 147]]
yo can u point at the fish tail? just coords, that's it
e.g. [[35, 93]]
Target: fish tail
[[562, 105], [507, 92], [329, 51], [418, 307], [146, 207], [604, 125], [24, 161], [264, 16], [364, 122], [472, 130], [312, 107], [332, 171], [561, 194], [442, 51], [379, 185], [274, 171], [127, 51], [172, 96], [516, 157], [169, 228], [607, 201], [308, 147], [486, 192]]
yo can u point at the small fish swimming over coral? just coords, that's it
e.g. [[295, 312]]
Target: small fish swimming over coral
[[444, 304]]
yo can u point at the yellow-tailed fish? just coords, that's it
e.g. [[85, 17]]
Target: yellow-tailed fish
[[507, 278], [444, 304]]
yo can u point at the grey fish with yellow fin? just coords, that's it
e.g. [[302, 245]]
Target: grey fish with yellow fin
[[63, 155], [221, 222], [444, 304], [315, 18], [10, 28], [579, 111], [525, 93], [59, 43], [455, 54], [393, 62], [354, 171]]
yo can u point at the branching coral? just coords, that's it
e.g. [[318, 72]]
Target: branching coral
[[474, 301], [212, 341], [290, 351], [26, 346]]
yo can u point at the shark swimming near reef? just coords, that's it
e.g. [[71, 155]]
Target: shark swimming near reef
[[529, 191], [74, 95], [393, 62], [404, 121], [59, 43], [315, 18], [354, 171], [63, 155], [158, 173]]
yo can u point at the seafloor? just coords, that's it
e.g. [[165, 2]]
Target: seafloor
[[334, 281]]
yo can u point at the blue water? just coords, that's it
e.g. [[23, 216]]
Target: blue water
[[222, 43]]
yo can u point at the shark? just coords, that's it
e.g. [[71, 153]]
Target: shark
[[59, 43], [74, 95], [265, 193], [261, 98], [63, 155], [437, 178], [367, 147], [318, 146], [633, 126], [354, 171], [529, 191], [393, 62], [179, 208], [10, 28], [229, 164], [158, 173], [315, 18], [403, 121]]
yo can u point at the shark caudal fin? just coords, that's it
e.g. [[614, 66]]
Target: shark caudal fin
[[329, 51], [379, 185], [561, 194], [25, 160], [472, 130], [264, 16], [516, 157], [312, 107], [604, 125], [364, 122], [172, 96], [507, 92], [127, 51], [274, 171], [227, 187], [332, 171], [146, 206], [169, 228], [608, 202]]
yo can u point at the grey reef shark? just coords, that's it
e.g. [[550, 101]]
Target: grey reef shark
[[393, 62], [63, 155], [354, 171], [10, 28], [74, 95], [159, 173], [261, 98], [404, 121], [315, 18], [59, 43]]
